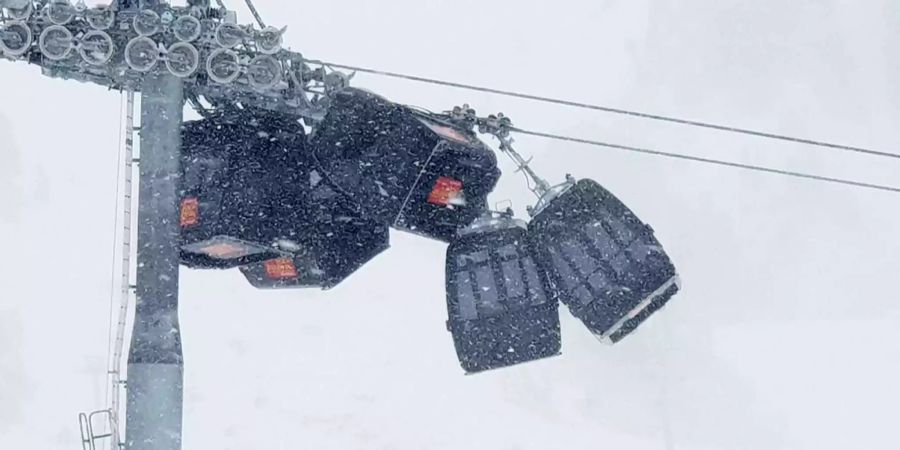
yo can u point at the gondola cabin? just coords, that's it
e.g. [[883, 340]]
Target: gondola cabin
[[332, 250], [602, 262], [243, 184], [500, 311], [404, 168]]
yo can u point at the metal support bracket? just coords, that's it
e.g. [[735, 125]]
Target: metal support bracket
[[500, 126]]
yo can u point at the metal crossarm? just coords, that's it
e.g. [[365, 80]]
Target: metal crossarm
[[214, 56]]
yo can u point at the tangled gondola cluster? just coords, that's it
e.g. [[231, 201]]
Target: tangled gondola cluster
[[306, 211], [296, 179]]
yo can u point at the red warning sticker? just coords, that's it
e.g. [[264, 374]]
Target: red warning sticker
[[447, 191], [281, 269], [190, 212]]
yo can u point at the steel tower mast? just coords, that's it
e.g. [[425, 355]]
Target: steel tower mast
[[155, 361]]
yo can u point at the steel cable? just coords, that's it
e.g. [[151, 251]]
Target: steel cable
[[718, 162], [620, 111]]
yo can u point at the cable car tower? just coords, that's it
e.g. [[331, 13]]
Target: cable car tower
[[170, 55], [372, 165]]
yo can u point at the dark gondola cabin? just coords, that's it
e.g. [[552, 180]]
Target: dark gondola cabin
[[402, 167], [332, 250], [500, 311], [603, 263], [242, 186]]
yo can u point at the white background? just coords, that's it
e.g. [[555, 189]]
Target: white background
[[784, 337]]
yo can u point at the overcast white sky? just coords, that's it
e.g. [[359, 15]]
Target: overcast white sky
[[784, 337]]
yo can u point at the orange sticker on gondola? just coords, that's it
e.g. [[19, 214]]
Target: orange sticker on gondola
[[281, 269], [190, 212], [447, 191]]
